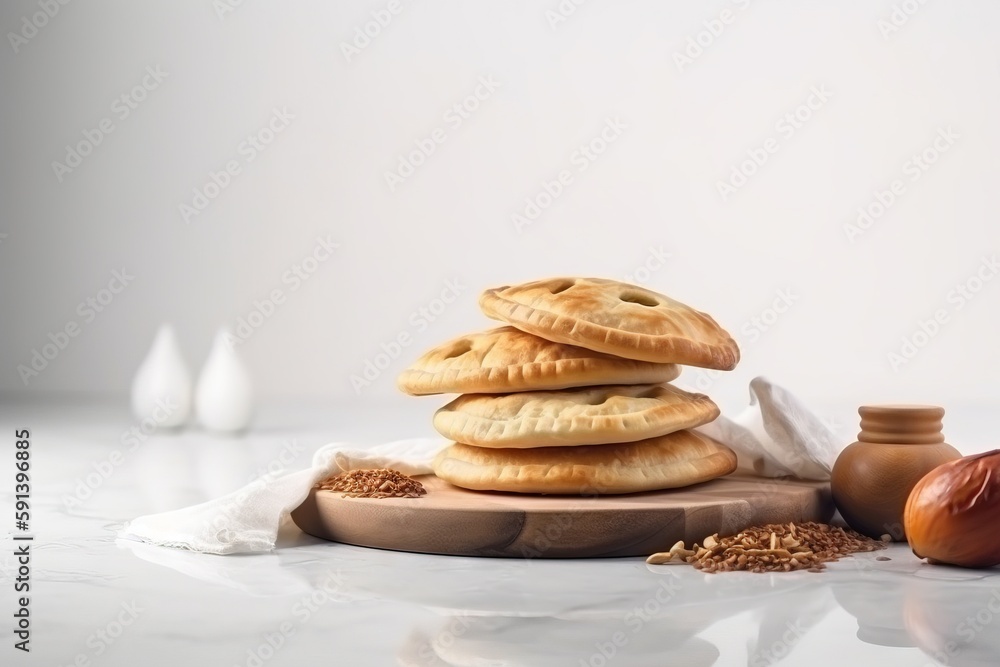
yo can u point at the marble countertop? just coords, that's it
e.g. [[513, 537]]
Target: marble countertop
[[99, 601]]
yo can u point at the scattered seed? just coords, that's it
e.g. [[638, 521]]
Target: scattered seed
[[660, 558], [775, 548], [378, 483]]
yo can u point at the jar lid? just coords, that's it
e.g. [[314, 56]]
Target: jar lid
[[902, 424]]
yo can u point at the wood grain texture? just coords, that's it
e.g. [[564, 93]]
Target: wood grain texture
[[454, 521]]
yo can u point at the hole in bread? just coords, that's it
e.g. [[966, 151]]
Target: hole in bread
[[639, 298], [561, 286], [652, 392], [459, 349]]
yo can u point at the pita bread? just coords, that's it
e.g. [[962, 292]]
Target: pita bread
[[666, 462], [584, 416], [615, 318], [505, 359]]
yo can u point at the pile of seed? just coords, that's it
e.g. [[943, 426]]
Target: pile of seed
[[775, 547], [378, 483]]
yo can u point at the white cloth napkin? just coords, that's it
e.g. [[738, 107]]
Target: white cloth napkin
[[775, 437], [247, 520]]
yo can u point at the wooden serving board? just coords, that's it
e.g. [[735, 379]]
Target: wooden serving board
[[454, 521]]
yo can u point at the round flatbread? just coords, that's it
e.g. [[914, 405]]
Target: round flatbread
[[666, 462], [615, 318], [570, 417], [506, 360]]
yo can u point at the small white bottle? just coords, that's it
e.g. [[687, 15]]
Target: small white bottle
[[224, 394], [161, 388]]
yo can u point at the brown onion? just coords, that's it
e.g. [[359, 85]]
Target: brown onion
[[953, 513]]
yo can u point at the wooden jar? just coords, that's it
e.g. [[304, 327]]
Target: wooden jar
[[873, 477]]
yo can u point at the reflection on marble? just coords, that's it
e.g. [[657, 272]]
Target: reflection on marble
[[313, 601], [468, 641], [879, 624], [955, 634], [512, 612]]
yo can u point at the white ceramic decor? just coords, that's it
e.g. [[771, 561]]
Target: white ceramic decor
[[161, 389], [224, 395]]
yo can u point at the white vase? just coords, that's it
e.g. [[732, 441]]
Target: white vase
[[224, 394], [161, 388]]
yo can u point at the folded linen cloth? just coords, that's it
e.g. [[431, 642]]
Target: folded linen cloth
[[247, 520], [775, 437]]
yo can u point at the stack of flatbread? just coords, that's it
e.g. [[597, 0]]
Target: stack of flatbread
[[573, 396]]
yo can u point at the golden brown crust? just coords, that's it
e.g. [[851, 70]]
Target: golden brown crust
[[678, 459], [615, 318], [506, 359], [582, 416]]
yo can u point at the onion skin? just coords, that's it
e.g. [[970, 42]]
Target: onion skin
[[953, 513]]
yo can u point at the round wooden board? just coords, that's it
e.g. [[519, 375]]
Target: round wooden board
[[454, 521]]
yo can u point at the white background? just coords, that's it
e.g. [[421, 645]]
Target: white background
[[654, 187]]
